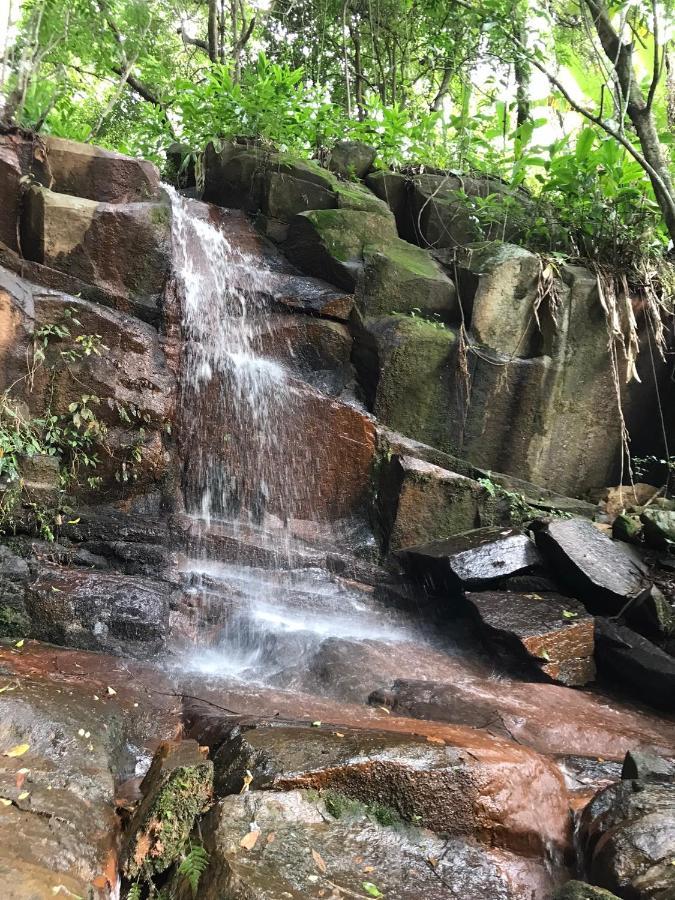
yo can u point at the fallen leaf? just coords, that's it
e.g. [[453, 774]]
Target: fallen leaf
[[5, 802], [8, 687], [316, 724], [320, 864], [271, 837], [24, 795], [111, 691], [338, 734], [384, 709], [20, 779], [74, 521], [435, 740], [371, 889], [368, 869], [19, 644], [567, 614], [19, 750], [248, 778], [249, 840]]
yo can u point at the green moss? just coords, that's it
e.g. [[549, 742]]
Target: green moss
[[160, 214], [13, 622], [341, 806]]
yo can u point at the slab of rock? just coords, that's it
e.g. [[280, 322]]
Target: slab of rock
[[475, 559], [311, 295], [11, 172], [175, 790], [627, 835], [98, 610], [121, 248], [604, 574], [268, 846], [634, 662], [447, 787], [641, 766], [97, 174], [420, 502], [659, 527], [552, 633]]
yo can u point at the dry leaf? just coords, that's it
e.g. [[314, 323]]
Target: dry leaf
[[316, 724], [24, 795], [19, 750], [435, 740], [20, 643], [20, 779], [320, 864], [248, 778], [249, 840], [8, 687], [5, 802], [384, 709], [338, 734], [271, 837], [111, 691]]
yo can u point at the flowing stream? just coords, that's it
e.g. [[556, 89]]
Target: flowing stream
[[263, 601]]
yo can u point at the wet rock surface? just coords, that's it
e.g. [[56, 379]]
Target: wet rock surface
[[553, 633], [636, 663], [603, 573], [300, 848], [628, 834], [475, 559]]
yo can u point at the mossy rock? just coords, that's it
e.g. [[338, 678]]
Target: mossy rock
[[176, 789], [14, 621], [402, 278], [579, 890]]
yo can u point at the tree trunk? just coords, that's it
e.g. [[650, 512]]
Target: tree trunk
[[638, 108], [213, 31]]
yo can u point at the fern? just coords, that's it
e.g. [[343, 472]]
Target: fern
[[193, 866], [135, 892]]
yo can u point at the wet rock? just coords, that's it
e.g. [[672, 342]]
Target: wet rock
[[628, 835], [641, 766], [98, 611], [175, 790], [475, 559], [14, 576], [442, 785], [635, 663], [351, 159], [298, 847], [652, 616], [659, 527], [605, 574], [419, 502], [310, 295], [552, 634], [626, 497], [500, 310], [83, 170], [580, 890], [121, 248]]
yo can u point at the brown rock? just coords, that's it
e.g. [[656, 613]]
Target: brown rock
[[83, 170], [554, 634], [421, 502], [626, 496], [11, 173], [121, 248]]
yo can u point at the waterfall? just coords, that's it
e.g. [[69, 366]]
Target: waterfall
[[248, 471]]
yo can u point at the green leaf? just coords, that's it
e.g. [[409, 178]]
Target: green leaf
[[372, 889], [585, 142], [567, 614]]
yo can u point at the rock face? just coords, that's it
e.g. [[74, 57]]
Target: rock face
[[604, 573], [351, 159], [301, 845], [121, 248], [628, 833], [552, 633], [419, 501], [475, 559]]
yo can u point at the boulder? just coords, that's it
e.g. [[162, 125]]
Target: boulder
[[501, 308], [392, 187], [551, 633], [420, 502], [627, 833], [604, 573], [659, 527], [175, 790], [351, 159], [627, 528], [301, 293], [98, 611], [641, 667], [450, 788], [652, 616], [269, 845], [475, 559], [627, 497], [402, 278], [83, 170], [14, 576], [278, 186], [121, 248]]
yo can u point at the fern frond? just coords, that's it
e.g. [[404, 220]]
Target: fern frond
[[193, 866], [135, 892]]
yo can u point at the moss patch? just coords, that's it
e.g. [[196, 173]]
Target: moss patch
[[13, 622]]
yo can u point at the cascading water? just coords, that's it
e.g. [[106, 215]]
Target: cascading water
[[248, 474]]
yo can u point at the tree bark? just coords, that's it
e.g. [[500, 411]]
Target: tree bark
[[212, 31], [638, 108]]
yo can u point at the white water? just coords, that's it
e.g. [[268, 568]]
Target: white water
[[246, 467]]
